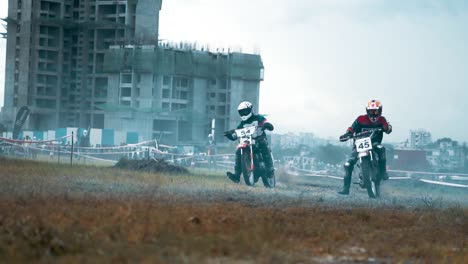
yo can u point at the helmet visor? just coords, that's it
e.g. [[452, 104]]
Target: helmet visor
[[373, 112], [245, 112]]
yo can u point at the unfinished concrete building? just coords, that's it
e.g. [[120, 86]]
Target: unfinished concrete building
[[97, 63], [172, 92]]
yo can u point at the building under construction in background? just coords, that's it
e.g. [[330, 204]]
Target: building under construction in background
[[98, 63]]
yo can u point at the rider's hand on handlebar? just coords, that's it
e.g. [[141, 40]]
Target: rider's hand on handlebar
[[230, 134], [388, 130], [346, 136], [268, 126]]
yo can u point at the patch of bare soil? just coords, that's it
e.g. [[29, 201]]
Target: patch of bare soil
[[154, 166]]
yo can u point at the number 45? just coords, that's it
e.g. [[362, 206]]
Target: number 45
[[364, 145]]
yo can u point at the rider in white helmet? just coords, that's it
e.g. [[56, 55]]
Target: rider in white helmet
[[249, 118]]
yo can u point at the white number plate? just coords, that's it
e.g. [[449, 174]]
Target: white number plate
[[363, 144], [246, 131]]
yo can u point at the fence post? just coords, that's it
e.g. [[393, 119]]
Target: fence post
[[71, 152]]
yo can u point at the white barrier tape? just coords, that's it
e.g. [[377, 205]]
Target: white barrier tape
[[429, 173], [325, 176], [459, 178], [445, 183], [225, 162], [315, 175], [53, 148], [309, 171], [32, 141], [140, 144], [223, 166], [399, 178], [93, 158], [457, 175], [392, 178], [293, 173]]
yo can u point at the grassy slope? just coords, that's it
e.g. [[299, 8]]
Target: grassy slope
[[57, 213]]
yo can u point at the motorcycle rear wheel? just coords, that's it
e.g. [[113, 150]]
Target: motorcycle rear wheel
[[269, 182]]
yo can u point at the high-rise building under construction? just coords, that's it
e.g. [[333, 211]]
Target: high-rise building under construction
[[98, 63]]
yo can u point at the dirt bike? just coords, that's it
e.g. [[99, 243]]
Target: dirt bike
[[369, 175], [252, 164]]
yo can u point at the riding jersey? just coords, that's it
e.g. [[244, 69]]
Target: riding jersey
[[254, 120], [363, 123]]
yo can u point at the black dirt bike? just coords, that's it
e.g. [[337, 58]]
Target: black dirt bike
[[368, 161]]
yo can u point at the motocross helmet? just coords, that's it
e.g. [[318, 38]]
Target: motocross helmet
[[374, 110], [245, 110]]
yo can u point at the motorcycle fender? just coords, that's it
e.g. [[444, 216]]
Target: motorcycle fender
[[363, 154], [242, 145]]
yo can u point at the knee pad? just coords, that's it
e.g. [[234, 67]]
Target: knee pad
[[381, 152], [347, 166]]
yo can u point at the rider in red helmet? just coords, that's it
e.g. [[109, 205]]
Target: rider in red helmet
[[373, 119]]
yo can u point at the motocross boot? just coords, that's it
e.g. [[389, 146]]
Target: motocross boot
[[346, 185], [383, 169], [270, 169], [271, 173], [235, 177], [361, 181], [268, 160], [347, 178]]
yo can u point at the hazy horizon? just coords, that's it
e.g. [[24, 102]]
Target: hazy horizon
[[332, 56]]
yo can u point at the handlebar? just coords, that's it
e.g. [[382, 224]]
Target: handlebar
[[365, 133], [361, 134]]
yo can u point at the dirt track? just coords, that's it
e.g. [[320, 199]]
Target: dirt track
[[106, 215]]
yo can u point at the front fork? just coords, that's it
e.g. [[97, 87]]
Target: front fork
[[251, 176], [251, 157], [369, 153], [371, 157]]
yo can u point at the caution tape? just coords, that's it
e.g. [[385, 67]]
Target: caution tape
[[313, 174], [32, 141]]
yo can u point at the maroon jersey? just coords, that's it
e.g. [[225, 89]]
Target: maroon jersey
[[363, 123]]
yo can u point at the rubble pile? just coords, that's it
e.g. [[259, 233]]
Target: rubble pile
[[152, 165]]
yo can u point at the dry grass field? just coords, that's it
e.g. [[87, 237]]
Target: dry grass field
[[84, 214]]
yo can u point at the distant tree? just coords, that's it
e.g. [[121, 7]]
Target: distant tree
[[280, 152], [331, 154], [436, 143]]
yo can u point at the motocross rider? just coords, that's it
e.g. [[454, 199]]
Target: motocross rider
[[372, 120], [249, 118]]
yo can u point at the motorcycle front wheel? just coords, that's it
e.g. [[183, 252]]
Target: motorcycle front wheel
[[372, 187], [247, 172]]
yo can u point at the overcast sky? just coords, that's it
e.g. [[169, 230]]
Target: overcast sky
[[324, 59]]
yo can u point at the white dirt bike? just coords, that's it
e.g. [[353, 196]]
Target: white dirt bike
[[368, 162]]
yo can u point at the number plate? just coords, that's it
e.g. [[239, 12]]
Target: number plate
[[246, 131], [363, 144]]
